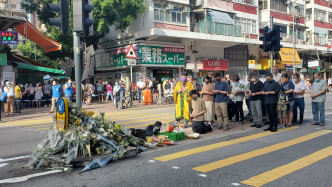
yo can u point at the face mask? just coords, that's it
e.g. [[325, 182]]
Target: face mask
[[69, 82], [317, 80], [275, 72], [37, 85], [21, 85], [53, 83], [253, 80], [235, 83], [26, 84], [206, 82], [8, 85], [270, 80], [218, 80], [194, 98], [183, 79]]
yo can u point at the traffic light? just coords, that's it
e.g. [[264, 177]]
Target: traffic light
[[62, 9], [81, 16], [267, 38], [277, 38]]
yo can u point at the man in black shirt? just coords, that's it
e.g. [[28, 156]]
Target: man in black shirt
[[255, 93], [270, 92]]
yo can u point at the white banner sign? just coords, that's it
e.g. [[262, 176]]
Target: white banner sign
[[10, 76], [314, 63]]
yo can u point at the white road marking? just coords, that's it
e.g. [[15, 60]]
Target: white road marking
[[317, 128], [175, 167], [15, 158], [236, 184], [3, 164], [152, 161], [202, 175], [25, 178]]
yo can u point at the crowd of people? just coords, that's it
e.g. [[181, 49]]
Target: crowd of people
[[274, 96]]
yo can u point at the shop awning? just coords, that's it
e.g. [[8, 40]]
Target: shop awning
[[39, 68], [286, 55], [29, 31], [220, 17]]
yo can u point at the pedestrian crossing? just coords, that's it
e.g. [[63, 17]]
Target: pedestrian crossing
[[264, 177], [135, 118]]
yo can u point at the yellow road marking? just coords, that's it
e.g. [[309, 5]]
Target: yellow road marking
[[216, 145], [22, 122], [37, 126], [286, 169], [125, 115], [137, 110], [245, 156], [145, 120], [22, 125], [135, 126], [43, 128], [144, 116]]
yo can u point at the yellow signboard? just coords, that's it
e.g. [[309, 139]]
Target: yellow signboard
[[287, 54], [62, 114], [251, 64]]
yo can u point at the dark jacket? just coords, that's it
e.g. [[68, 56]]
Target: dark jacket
[[268, 87]]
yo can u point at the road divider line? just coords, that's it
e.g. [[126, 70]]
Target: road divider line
[[3, 164], [217, 145], [272, 175], [14, 158], [145, 116], [136, 110], [43, 128], [27, 122], [252, 154], [23, 125], [145, 125], [129, 122], [38, 126], [119, 116], [27, 177]]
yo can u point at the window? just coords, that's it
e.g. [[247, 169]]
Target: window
[[236, 54], [247, 25], [278, 5], [320, 15], [309, 14], [330, 18], [175, 16], [299, 10], [262, 5], [251, 2]]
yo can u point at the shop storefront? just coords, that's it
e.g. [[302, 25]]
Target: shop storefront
[[155, 62], [212, 66]]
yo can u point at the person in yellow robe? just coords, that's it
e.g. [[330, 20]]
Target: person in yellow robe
[[182, 99]]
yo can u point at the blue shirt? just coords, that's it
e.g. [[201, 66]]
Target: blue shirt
[[56, 91], [289, 86], [221, 86], [69, 90]]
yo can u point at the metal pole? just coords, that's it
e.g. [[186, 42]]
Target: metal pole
[[271, 52], [35, 51], [131, 87], [294, 70], [78, 69]]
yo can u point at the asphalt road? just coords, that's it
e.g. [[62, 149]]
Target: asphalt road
[[297, 156]]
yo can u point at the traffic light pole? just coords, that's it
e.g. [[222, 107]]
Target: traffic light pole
[[78, 69], [271, 52]]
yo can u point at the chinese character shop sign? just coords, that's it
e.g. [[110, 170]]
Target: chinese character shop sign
[[9, 37], [156, 55], [215, 64]]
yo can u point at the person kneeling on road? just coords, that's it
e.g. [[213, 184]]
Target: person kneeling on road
[[198, 106]]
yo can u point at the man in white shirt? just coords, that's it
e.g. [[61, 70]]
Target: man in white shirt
[[140, 85], [276, 74], [47, 93]]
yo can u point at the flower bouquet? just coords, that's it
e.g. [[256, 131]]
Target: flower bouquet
[[88, 135]]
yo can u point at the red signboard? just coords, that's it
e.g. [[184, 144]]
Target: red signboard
[[215, 64]]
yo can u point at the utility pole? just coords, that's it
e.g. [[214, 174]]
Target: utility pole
[[271, 52], [78, 69]]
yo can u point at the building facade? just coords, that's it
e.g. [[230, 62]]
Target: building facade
[[202, 36]]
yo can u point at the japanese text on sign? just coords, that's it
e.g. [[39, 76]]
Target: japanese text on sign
[[162, 55], [9, 37]]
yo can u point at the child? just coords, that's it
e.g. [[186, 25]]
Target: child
[[282, 107]]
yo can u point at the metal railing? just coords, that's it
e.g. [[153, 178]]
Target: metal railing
[[289, 38], [218, 29]]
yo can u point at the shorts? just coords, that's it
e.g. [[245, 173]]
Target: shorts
[[290, 106], [282, 113], [100, 92]]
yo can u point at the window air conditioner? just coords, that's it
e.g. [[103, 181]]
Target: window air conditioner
[[169, 7], [186, 9]]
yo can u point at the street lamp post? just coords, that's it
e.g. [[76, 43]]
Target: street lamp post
[[294, 69]]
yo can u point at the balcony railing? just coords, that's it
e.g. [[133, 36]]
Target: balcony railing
[[218, 29], [289, 39]]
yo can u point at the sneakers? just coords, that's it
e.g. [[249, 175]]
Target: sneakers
[[253, 125], [210, 126], [322, 124], [226, 128], [220, 126], [258, 126], [268, 129]]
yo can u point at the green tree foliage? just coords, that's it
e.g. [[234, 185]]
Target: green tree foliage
[[105, 13]]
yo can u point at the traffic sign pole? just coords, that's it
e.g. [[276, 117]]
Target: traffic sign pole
[[78, 70]]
